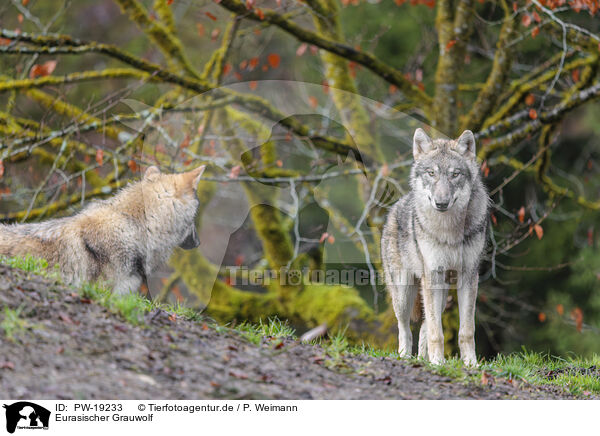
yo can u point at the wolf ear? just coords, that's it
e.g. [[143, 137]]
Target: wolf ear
[[465, 145], [193, 176], [151, 173], [421, 143]]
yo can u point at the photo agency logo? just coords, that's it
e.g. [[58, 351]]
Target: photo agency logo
[[24, 415]]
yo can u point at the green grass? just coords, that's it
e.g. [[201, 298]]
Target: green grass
[[271, 328], [12, 323], [131, 306]]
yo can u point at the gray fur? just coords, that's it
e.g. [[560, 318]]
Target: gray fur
[[433, 239]]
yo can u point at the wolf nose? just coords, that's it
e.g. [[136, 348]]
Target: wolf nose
[[441, 206]]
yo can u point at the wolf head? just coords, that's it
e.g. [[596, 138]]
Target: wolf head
[[444, 171], [171, 204]]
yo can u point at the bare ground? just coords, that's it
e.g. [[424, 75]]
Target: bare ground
[[76, 349]]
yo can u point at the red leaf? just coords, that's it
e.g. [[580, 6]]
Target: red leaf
[[260, 14], [536, 17], [211, 16], [577, 316], [253, 84], [169, 2], [1, 168], [250, 4], [494, 219], [515, 7], [274, 59], [279, 163], [132, 165], [302, 49], [100, 156], [253, 63], [521, 214], [539, 231], [313, 102], [323, 237], [392, 90], [4, 41], [331, 239], [535, 31], [560, 309], [575, 75], [200, 28], [532, 114], [235, 172], [541, 317], [526, 20], [226, 68], [42, 70], [238, 374], [450, 44], [530, 99]]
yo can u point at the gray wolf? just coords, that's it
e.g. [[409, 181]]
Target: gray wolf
[[433, 239], [119, 240]]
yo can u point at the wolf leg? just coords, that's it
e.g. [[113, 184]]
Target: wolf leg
[[467, 297], [126, 284], [403, 297], [434, 299], [423, 340]]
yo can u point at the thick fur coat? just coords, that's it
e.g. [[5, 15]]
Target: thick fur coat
[[434, 239], [119, 240]]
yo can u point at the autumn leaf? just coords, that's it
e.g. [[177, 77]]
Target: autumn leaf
[[100, 157], [4, 41], [450, 44], [215, 34], [575, 75], [536, 17], [250, 4], [560, 309], [274, 59], [541, 317], [521, 214], [42, 70], [539, 231], [535, 31], [279, 163], [323, 237], [226, 69], [1, 168], [211, 16], [325, 85], [393, 89], [200, 28], [526, 20], [515, 7], [494, 219], [533, 114], [260, 14], [331, 239], [485, 378], [253, 63], [132, 165], [485, 169], [313, 102], [577, 316], [301, 49], [530, 99], [253, 84], [235, 172]]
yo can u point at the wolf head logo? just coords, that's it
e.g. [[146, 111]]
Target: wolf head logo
[[444, 170], [173, 195]]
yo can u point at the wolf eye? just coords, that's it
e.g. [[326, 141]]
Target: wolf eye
[[455, 174], [430, 173]]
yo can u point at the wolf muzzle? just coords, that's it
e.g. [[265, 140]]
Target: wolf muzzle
[[191, 241]]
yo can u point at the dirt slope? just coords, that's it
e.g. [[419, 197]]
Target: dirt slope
[[76, 349]]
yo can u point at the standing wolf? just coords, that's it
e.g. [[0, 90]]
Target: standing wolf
[[119, 240], [434, 237]]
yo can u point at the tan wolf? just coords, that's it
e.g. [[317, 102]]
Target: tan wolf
[[118, 240]]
